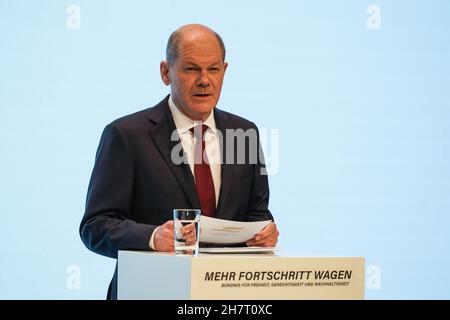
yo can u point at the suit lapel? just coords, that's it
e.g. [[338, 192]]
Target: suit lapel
[[161, 131], [223, 124]]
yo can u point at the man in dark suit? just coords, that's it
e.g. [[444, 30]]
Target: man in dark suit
[[138, 178]]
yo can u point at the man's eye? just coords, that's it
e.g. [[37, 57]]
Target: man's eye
[[215, 69], [189, 69]]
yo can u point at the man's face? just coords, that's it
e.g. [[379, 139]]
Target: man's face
[[196, 76]]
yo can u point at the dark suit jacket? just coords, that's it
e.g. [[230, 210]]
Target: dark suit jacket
[[135, 186]]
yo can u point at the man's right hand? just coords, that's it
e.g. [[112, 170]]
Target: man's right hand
[[163, 239]]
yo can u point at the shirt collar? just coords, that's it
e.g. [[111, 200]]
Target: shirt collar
[[184, 123]]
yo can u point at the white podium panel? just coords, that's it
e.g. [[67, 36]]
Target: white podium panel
[[152, 275]]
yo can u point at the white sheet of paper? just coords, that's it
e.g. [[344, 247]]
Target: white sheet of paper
[[238, 250], [215, 230]]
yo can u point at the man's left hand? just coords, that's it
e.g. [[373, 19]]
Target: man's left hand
[[267, 237]]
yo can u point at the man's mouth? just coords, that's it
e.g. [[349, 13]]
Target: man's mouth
[[202, 95]]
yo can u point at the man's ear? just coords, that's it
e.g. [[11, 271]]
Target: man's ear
[[225, 66], [164, 70]]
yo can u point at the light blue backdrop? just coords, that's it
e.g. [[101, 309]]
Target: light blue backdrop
[[363, 116]]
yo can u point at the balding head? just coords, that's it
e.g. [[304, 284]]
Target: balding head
[[194, 69], [190, 32]]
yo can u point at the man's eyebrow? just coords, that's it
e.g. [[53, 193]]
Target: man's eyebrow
[[191, 63], [214, 64], [196, 65]]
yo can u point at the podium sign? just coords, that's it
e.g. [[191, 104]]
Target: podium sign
[[151, 275]]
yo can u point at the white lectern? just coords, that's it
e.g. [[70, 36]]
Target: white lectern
[[152, 275]]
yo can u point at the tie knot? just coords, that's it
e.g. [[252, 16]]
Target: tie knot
[[199, 130]]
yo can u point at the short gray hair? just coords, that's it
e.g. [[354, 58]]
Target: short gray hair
[[174, 41]]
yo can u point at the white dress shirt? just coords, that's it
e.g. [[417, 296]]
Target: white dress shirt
[[183, 125]]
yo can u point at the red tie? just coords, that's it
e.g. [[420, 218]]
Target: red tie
[[203, 178]]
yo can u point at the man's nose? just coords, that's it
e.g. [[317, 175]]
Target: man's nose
[[203, 80]]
